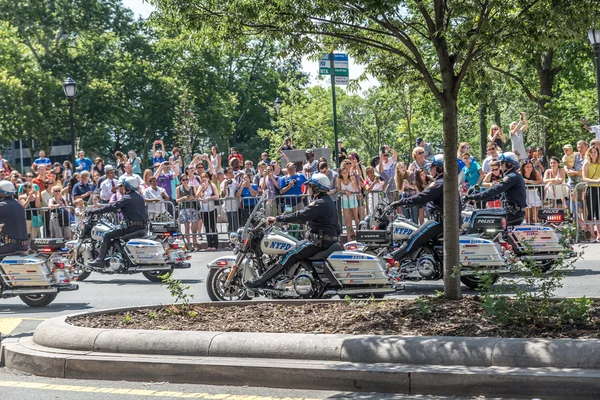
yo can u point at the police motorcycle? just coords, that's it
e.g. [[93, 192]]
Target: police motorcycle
[[35, 270], [259, 246], [390, 231], [541, 243]]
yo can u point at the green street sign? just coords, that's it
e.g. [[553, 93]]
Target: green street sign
[[338, 71]]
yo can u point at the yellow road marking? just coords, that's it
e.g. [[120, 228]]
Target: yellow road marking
[[137, 392], [7, 325]]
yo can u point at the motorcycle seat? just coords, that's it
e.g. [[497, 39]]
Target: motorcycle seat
[[135, 235], [323, 254]]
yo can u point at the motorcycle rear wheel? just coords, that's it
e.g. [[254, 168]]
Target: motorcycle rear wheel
[[38, 300], [474, 281], [215, 286], [154, 276]]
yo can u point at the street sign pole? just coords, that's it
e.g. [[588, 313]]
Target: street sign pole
[[335, 128]]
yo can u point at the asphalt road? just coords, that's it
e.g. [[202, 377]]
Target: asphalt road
[[15, 385], [110, 291]]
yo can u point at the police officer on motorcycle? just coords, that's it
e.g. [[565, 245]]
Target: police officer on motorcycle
[[133, 208], [433, 198], [324, 229], [512, 186], [13, 223]]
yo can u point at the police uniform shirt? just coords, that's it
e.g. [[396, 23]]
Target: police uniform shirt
[[432, 196], [12, 216], [513, 187], [132, 205], [320, 216]]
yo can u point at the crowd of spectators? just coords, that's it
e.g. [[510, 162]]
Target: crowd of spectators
[[214, 188]]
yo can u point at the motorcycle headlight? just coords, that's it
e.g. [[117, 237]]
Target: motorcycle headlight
[[234, 238]]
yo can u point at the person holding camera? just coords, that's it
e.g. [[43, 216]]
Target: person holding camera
[[164, 175], [270, 184], [516, 136], [248, 193], [136, 163], [286, 145], [291, 187], [158, 155], [229, 192]]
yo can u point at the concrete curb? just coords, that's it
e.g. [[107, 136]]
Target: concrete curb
[[549, 383], [464, 351]]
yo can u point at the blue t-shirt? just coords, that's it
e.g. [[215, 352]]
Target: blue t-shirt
[[461, 163], [472, 174], [81, 189], [42, 161], [158, 160], [294, 190], [86, 163], [247, 200]]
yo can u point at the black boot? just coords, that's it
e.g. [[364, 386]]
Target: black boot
[[266, 277], [100, 261]]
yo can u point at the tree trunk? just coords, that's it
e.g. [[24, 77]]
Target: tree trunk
[[546, 76], [483, 130], [451, 194]]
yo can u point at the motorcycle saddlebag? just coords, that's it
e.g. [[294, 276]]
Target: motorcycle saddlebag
[[488, 220], [370, 236]]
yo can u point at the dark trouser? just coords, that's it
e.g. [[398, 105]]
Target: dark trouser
[[515, 218], [300, 251], [429, 230], [12, 248], [210, 226], [46, 216], [114, 234], [244, 215], [233, 221]]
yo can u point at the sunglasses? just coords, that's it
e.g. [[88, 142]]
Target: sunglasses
[[495, 169], [492, 149], [184, 180], [28, 176], [200, 167], [152, 180], [466, 147], [421, 152], [56, 191]]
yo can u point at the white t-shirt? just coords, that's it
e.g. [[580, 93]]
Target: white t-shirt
[[152, 194], [596, 131], [486, 167], [517, 145]]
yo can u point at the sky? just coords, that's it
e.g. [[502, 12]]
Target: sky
[[140, 7]]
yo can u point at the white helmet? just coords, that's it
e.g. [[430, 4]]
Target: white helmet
[[510, 158], [320, 182], [130, 182], [7, 188]]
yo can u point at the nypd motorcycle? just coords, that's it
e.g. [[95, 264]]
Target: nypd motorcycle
[[129, 254], [386, 231], [36, 276], [541, 243], [259, 246]]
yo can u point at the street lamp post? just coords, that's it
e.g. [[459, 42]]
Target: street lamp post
[[69, 87], [594, 36]]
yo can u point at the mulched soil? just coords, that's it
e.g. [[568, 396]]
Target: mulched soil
[[421, 317]]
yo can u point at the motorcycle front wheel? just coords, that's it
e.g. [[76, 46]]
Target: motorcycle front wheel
[[215, 286], [38, 300], [154, 276]]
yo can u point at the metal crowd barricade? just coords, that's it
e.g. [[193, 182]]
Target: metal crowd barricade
[[44, 223]]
